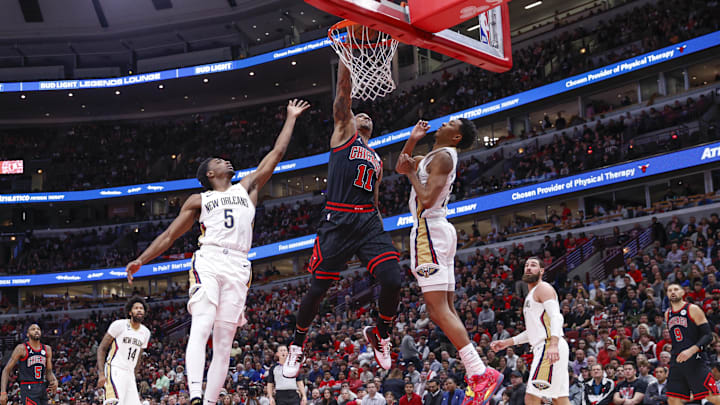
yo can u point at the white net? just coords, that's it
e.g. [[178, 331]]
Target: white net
[[368, 55]]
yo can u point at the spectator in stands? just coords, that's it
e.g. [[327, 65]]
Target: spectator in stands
[[656, 392], [631, 388], [452, 395], [599, 389], [433, 395], [579, 362], [500, 332], [644, 368], [394, 383], [516, 389], [486, 316], [410, 397], [329, 399], [409, 351], [373, 397], [347, 397], [512, 358], [575, 389]]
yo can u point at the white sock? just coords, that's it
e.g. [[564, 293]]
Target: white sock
[[223, 335], [200, 329], [471, 360]]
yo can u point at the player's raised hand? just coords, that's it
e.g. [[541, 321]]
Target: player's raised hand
[[405, 164], [296, 107], [420, 130], [132, 268], [3, 398]]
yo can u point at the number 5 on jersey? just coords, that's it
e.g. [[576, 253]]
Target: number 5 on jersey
[[229, 219], [364, 178]]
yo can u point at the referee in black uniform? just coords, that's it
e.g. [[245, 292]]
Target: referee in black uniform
[[282, 390]]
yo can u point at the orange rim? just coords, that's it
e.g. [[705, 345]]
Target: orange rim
[[346, 24]]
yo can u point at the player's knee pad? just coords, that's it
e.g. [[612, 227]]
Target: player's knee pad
[[387, 274]]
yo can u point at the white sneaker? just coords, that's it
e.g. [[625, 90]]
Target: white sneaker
[[291, 368], [381, 347]]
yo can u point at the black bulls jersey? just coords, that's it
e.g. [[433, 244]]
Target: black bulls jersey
[[353, 171], [32, 367], [683, 330]]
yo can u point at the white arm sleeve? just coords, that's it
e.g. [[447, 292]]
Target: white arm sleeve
[[521, 338], [556, 319]]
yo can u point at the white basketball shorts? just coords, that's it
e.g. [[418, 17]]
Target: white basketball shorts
[[120, 386], [549, 380], [220, 277], [433, 242]]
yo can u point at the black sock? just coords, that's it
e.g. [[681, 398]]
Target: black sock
[[388, 275], [300, 336], [384, 327]]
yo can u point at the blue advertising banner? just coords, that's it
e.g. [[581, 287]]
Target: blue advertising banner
[[165, 74], [607, 72], [148, 188], [581, 182]]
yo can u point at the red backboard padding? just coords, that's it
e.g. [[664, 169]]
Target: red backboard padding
[[393, 20], [435, 16]]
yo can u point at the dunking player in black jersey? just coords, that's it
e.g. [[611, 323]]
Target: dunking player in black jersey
[[351, 225], [35, 372], [689, 332]]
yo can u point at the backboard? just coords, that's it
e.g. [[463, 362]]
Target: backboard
[[415, 24]]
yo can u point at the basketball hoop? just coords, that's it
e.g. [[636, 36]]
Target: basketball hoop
[[368, 55]]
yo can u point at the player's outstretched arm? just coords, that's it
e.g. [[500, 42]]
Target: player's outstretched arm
[[101, 355], [518, 339], [254, 181], [342, 108], [439, 168], [49, 373], [418, 132], [184, 221], [17, 354]]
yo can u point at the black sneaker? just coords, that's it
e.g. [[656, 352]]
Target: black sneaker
[[196, 401]]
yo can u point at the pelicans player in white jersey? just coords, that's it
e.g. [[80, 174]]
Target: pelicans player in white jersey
[[220, 274], [433, 242], [119, 354], [544, 331]]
